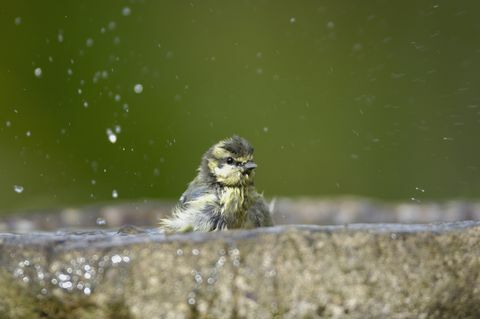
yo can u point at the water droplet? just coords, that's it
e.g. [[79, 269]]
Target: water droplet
[[112, 25], [111, 136], [100, 221], [116, 259], [126, 11], [89, 42], [63, 277], [138, 88], [293, 20], [114, 194], [117, 97], [87, 291], [38, 72], [265, 129], [357, 47], [85, 104], [18, 20], [330, 25], [18, 189], [28, 133]]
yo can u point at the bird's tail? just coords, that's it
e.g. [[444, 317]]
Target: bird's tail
[[166, 225]]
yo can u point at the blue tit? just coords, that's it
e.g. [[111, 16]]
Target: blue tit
[[222, 195]]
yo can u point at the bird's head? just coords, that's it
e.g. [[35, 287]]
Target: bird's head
[[230, 162]]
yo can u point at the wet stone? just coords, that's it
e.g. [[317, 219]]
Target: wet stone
[[351, 271]]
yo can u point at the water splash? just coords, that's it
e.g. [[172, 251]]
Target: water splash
[[138, 88], [18, 189], [112, 137], [126, 11], [38, 72]]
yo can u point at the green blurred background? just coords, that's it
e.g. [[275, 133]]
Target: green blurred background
[[371, 98]]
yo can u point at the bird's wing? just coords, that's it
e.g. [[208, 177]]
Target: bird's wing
[[197, 210], [193, 192], [259, 214]]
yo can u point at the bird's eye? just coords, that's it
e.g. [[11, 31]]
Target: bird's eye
[[229, 160]]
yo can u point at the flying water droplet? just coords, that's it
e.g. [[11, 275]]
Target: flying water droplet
[[60, 36], [38, 72], [138, 88], [111, 136], [18, 189], [126, 11]]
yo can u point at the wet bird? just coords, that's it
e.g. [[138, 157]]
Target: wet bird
[[222, 195]]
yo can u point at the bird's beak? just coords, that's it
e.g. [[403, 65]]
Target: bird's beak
[[249, 166]]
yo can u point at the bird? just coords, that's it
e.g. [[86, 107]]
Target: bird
[[222, 196]]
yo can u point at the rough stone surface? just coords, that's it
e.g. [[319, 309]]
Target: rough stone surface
[[354, 271]]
